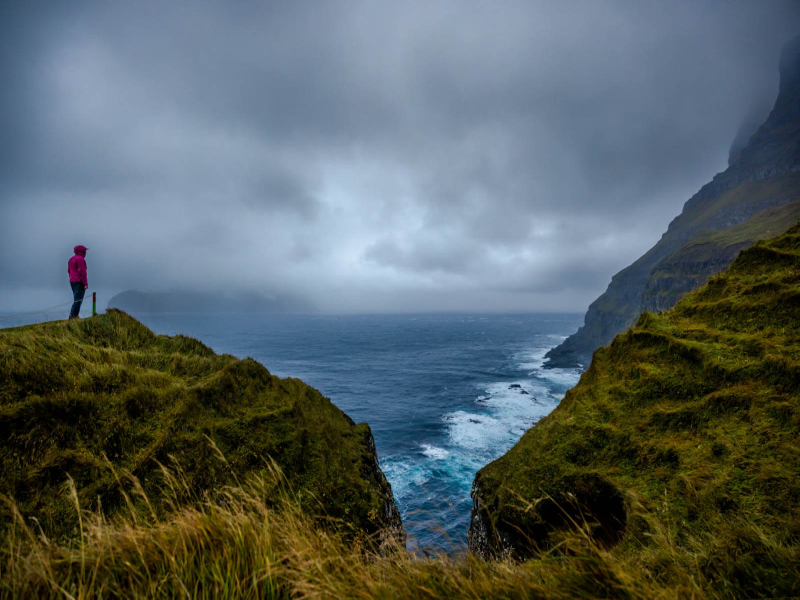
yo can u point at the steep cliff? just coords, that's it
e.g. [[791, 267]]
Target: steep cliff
[[692, 417], [710, 253], [761, 176], [104, 399]]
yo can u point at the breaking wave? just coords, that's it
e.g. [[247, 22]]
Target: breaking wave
[[499, 414]]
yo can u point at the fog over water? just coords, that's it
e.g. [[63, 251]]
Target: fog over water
[[369, 156]]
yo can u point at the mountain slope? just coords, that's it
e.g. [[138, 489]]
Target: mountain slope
[[105, 398], [761, 177], [692, 416]]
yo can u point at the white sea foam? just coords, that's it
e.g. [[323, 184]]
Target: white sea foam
[[564, 377], [521, 394], [503, 411], [405, 475], [434, 452], [510, 411], [473, 431], [532, 361]]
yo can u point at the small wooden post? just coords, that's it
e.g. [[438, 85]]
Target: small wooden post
[[94, 304]]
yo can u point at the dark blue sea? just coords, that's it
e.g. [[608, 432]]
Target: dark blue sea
[[444, 394]]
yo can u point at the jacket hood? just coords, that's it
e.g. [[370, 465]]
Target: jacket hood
[[80, 250]]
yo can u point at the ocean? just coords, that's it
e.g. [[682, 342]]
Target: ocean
[[444, 394]]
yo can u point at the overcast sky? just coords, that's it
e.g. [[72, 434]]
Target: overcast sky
[[373, 156]]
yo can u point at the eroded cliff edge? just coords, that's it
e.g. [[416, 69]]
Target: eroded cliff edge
[[103, 399], [686, 423], [762, 180]]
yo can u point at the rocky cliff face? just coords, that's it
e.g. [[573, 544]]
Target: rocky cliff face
[[684, 271], [760, 176], [388, 519]]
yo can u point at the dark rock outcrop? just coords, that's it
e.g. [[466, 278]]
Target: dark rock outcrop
[[762, 175], [587, 497]]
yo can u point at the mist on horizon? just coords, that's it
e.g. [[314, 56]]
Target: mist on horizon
[[366, 157]]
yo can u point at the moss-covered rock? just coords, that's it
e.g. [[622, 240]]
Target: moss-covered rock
[[693, 416], [105, 398]]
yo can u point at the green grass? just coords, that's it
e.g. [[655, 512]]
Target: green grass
[[768, 223], [107, 402], [710, 252], [239, 546], [782, 187], [691, 416]]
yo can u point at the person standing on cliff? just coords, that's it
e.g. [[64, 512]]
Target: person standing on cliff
[[76, 267]]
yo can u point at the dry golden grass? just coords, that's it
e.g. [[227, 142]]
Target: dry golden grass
[[238, 546]]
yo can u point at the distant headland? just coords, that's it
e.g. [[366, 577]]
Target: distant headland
[[135, 302]]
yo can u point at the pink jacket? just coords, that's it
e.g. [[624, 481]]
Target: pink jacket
[[76, 267]]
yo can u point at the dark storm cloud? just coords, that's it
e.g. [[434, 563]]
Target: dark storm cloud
[[374, 156], [281, 191]]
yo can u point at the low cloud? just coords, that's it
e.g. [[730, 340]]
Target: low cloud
[[369, 156]]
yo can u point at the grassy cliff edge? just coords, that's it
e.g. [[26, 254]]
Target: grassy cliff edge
[[106, 402], [691, 416]]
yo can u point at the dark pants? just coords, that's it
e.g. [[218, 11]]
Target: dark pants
[[77, 295]]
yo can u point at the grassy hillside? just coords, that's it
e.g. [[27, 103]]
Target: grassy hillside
[[691, 417], [106, 402]]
